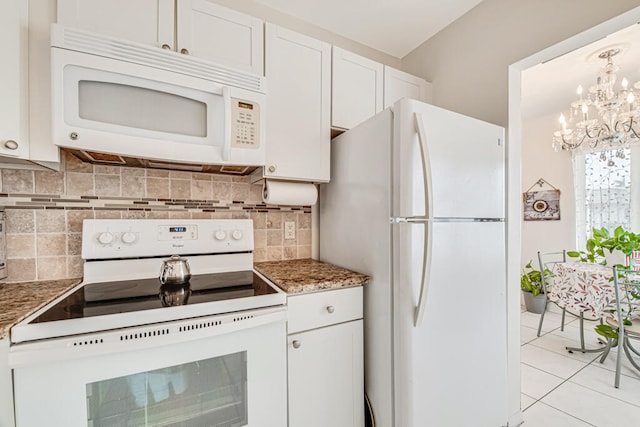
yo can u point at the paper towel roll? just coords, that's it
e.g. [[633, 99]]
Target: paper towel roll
[[289, 193]]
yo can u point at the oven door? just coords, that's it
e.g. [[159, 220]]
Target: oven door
[[200, 372]]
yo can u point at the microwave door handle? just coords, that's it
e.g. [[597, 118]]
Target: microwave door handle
[[226, 145]]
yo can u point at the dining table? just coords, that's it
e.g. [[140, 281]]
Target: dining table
[[583, 288]]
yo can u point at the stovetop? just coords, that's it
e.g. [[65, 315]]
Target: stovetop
[[98, 299], [121, 288]]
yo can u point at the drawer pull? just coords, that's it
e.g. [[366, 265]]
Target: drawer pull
[[330, 309], [296, 344]]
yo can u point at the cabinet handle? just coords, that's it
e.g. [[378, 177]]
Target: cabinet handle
[[330, 309], [296, 344], [272, 168], [184, 51], [166, 46], [11, 144]]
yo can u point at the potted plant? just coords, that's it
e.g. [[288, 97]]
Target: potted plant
[[531, 285], [599, 247], [603, 243]]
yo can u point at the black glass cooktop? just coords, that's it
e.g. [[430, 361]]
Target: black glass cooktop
[[97, 299]]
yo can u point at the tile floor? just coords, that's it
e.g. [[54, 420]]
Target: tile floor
[[560, 389]]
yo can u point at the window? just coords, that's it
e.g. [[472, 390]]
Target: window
[[604, 194]]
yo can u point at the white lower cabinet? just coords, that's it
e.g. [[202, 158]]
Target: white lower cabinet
[[325, 362]]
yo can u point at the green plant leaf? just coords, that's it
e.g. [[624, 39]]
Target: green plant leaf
[[607, 331]]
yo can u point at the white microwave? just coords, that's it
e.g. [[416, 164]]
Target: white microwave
[[114, 100]]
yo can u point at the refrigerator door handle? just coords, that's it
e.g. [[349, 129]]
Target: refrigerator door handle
[[426, 274], [428, 226]]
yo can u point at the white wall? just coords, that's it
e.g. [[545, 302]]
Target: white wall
[[539, 160], [467, 61], [268, 14]]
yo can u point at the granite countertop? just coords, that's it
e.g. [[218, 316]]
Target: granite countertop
[[18, 300], [308, 275]]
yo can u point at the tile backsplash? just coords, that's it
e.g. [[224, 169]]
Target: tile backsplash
[[45, 209]]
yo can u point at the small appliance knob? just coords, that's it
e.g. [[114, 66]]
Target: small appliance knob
[[220, 235], [128, 237], [237, 234], [106, 238], [11, 144]]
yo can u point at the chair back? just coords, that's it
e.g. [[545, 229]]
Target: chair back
[[627, 289], [548, 261]]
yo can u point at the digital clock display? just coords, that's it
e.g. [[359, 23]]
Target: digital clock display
[[177, 229], [245, 105]]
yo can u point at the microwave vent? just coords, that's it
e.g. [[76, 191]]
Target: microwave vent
[[117, 160], [175, 166], [124, 50], [237, 170], [104, 158]]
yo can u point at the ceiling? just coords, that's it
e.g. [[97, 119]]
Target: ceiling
[[550, 88], [395, 27]]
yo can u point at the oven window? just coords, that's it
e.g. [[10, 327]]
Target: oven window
[[141, 108], [210, 392]]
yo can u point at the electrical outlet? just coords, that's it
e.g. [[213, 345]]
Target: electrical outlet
[[289, 230]]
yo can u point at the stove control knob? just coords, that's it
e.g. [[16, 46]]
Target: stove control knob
[[220, 235], [106, 238], [128, 237], [237, 234]]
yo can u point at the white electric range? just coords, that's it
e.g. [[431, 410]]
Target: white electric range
[[122, 349]]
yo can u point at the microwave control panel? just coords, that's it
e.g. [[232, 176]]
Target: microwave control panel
[[245, 124]]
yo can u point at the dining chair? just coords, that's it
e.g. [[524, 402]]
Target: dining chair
[[625, 320], [548, 261]]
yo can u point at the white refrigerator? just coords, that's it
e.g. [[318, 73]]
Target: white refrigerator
[[417, 201]]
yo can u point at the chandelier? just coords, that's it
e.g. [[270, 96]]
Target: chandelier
[[603, 118]]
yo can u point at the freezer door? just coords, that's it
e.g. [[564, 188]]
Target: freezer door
[[460, 158], [450, 368]]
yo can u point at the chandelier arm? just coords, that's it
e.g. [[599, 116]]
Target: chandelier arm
[[566, 145]]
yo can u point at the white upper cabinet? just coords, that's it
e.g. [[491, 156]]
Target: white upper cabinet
[[210, 31], [357, 88], [398, 84], [197, 27], [14, 106], [298, 72], [143, 21]]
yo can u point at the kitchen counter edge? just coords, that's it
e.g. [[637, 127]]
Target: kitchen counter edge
[[20, 299], [309, 275]]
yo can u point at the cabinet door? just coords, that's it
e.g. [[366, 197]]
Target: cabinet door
[[210, 31], [298, 71], [13, 79], [326, 380], [144, 21], [398, 84], [356, 88]]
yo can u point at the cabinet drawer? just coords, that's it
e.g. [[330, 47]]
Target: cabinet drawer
[[314, 310]]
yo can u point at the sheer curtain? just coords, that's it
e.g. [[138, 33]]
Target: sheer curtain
[[605, 196]]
